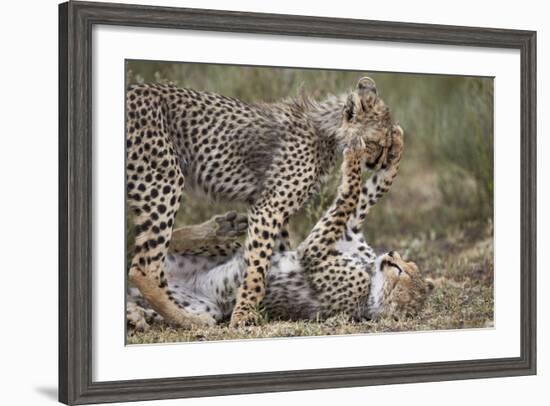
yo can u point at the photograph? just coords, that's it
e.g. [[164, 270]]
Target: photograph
[[279, 202], [254, 201]]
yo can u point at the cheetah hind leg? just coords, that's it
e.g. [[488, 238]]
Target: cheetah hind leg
[[151, 247], [155, 183], [215, 237]]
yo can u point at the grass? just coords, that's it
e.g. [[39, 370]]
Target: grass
[[460, 263], [438, 212]]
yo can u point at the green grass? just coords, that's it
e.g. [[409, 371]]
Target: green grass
[[438, 212]]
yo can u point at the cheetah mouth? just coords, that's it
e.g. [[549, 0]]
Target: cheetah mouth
[[386, 263]]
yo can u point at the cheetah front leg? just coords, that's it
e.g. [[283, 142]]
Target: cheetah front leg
[[319, 244], [282, 244], [265, 224], [380, 182]]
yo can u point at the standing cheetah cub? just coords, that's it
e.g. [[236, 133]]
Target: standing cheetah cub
[[272, 156]]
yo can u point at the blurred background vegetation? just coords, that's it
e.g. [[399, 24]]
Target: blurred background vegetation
[[446, 177]]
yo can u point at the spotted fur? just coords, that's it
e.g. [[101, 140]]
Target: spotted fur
[[272, 156], [333, 271]]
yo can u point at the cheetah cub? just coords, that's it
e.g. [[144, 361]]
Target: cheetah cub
[[272, 156], [333, 271]]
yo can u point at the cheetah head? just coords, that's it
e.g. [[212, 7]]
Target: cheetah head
[[367, 119], [397, 288]]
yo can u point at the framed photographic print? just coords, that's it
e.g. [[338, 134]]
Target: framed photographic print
[[257, 202]]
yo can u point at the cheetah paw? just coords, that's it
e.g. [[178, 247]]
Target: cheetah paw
[[231, 224], [356, 150], [136, 319], [396, 148], [243, 316]]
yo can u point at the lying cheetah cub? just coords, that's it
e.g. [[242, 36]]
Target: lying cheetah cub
[[333, 271]]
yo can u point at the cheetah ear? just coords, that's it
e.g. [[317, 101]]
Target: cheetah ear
[[353, 104], [397, 130], [367, 91]]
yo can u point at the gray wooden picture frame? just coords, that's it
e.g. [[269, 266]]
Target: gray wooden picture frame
[[76, 20]]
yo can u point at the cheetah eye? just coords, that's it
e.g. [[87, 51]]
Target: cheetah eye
[[386, 263], [399, 270]]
